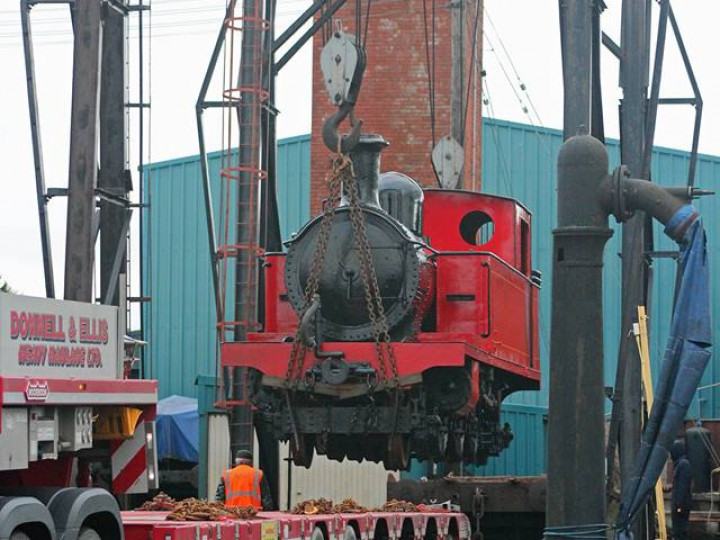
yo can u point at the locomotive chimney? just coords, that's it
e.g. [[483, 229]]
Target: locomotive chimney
[[366, 164]]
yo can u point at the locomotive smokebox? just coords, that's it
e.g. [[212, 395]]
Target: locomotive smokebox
[[402, 268], [366, 166]]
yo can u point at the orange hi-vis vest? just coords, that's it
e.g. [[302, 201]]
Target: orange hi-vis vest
[[242, 487]]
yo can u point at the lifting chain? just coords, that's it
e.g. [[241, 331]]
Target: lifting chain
[[373, 298], [297, 353], [342, 173]]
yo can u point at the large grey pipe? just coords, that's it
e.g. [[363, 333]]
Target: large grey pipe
[[576, 470], [587, 195]]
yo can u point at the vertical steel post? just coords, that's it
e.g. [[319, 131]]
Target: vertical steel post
[[636, 232], [576, 471], [457, 77], [25, 7], [247, 231], [206, 184], [113, 131], [597, 122], [270, 238], [79, 245], [576, 30]]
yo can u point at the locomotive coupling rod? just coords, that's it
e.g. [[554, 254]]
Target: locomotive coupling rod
[[342, 143]]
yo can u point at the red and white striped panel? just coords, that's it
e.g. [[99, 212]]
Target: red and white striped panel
[[134, 461]]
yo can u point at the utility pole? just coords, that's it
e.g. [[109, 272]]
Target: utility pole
[[79, 244]]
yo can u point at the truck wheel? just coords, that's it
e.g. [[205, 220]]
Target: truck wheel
[[88, 534], [19, 535]]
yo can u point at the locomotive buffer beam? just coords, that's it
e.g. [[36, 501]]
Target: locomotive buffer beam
[[334, 370]]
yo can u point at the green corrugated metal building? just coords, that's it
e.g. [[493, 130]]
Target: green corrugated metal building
[[518, 161], [180, 322]]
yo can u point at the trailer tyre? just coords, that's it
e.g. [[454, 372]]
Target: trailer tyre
[[19, 535], [317, 534], [88, 534], [350, 533]]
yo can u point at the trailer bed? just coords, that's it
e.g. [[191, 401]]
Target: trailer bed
[[141, 525]]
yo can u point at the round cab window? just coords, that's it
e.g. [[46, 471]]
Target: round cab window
[[477, 228]]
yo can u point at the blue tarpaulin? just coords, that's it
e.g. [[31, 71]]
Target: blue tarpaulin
[[177, 428], [687, 354]]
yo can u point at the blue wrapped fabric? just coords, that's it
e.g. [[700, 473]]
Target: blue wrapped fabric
[[686, 356], [177, 427]]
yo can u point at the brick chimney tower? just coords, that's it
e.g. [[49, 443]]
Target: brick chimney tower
[[395, 97]]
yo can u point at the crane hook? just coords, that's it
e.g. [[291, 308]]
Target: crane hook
[[342, 143]]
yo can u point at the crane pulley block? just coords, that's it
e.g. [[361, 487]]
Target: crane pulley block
[[343, 62]]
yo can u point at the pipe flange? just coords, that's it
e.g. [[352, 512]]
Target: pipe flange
[[619, 205]]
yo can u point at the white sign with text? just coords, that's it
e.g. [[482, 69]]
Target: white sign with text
[[45, 338]]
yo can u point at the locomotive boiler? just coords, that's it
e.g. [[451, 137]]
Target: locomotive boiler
[[396, 323]]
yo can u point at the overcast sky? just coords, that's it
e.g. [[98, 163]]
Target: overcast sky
[[523, 38]]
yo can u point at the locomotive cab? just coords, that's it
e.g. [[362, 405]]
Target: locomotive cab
[[486, 288]]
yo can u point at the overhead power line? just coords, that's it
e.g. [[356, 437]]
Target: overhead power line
[[521, 86]]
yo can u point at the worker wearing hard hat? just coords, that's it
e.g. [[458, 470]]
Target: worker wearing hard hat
[[243, 485]]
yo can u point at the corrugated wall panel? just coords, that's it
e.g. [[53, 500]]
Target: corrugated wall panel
[[365, 482], [518, 161], [526, 455], [180, 324]]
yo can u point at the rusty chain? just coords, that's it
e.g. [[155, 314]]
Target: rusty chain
[[297, 353], [342, 173], [373, 298]]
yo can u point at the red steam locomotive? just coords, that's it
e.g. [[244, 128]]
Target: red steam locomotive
[[424, 373]]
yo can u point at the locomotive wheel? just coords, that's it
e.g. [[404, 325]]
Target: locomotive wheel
[[398, 453], [420, 449], [455, 446], [321, 443], [437, 445], [355, 452], [302, 454], [470, 448], [481, 458], [336, 447], [375, 448]]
